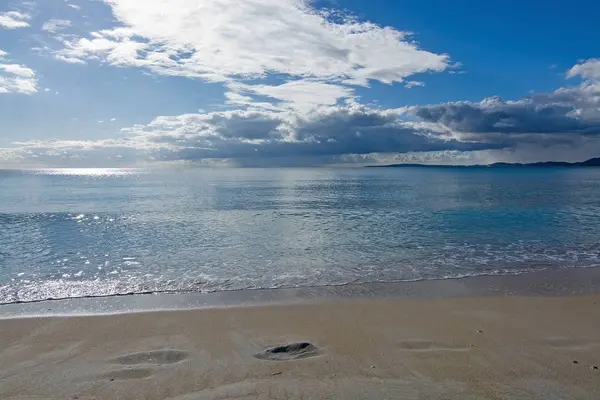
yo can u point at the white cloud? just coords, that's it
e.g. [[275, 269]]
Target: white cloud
[[47, 90], [589, 69], [56, 25], [113, 119], [18, 70], [61, 145], [69, 152], [302, 95], [74, 6], [70, 60], [9, 84], [15, 78], [14, 19], [220, 40], [318, 55], [412, 84]]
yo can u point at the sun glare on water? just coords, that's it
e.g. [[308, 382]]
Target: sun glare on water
[[93, 172]]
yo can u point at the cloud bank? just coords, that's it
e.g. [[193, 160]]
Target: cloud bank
[[247, 136], [565, 117]]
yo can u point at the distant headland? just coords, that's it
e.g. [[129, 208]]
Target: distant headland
[[593, 162]]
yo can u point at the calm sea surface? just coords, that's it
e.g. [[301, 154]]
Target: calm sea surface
[[92, 232]]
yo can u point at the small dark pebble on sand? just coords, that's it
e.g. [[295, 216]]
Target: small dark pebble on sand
[[112, 379], [575, 362], [594, 367], [480, 331], [276, 373]]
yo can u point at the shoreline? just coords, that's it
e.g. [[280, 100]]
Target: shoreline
[[549, 283]]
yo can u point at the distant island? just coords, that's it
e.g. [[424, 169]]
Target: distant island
[[593, 162]]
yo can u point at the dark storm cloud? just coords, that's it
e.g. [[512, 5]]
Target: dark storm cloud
[[567, 110], [330, 132]]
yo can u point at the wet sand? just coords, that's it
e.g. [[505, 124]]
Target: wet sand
[[493, 347]]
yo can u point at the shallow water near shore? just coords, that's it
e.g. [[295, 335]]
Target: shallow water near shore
[[551, 283], [106, 232]]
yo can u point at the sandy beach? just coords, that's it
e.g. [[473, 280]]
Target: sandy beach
[[463, 348]]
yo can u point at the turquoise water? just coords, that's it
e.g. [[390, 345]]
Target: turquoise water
[[97, 232]]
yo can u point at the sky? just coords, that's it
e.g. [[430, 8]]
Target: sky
[[105, 83]]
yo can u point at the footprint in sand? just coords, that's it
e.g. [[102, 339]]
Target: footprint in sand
[[157, 357], [286, 352], [427, 345], [570, 344]]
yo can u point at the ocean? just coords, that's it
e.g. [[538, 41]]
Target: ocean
[[69, 233]]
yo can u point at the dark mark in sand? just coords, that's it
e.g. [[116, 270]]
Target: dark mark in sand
[[292, 351]]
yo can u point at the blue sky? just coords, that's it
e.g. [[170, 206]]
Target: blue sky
[[293, 82]]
